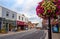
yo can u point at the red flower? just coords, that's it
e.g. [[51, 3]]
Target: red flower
[[49, 11]]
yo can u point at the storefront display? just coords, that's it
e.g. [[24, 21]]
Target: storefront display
[[21, 25]]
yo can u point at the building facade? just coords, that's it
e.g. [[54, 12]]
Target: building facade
[[10, 20], [7, 19], [21, 22], [31, 25]]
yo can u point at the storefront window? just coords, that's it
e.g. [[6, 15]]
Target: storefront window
[[22, 18], [4, 26]]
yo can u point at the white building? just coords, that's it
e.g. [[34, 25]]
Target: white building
[[21, 20], [22, 17], [8, 14], [7, 18]]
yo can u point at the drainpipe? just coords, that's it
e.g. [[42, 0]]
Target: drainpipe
[[16, 24]]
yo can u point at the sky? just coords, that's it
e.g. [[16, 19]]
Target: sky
[[26, 7]]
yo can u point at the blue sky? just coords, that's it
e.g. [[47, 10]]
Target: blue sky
[[27, 7]]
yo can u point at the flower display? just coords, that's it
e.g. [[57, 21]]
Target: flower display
[[48, 8], [57, 3]]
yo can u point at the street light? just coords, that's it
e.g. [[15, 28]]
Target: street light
[[48, 9]]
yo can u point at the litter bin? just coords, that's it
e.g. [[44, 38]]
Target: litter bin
[[55, 29]]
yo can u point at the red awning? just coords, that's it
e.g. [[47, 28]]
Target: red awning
[[21, 23]]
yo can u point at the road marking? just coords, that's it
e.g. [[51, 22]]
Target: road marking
[[43, 36]]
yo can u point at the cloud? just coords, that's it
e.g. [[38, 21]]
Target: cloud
[[35, 19], [26, 7], [19, 1]]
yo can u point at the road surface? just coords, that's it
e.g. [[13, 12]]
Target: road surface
[[32, 34]]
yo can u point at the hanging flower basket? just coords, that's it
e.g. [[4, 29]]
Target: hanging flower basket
[[48, 8]]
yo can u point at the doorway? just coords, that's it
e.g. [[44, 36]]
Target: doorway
[[10, 27]]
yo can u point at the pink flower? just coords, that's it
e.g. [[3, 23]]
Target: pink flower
[[53, 13], [58, 7], [39, 10], [58, 13]]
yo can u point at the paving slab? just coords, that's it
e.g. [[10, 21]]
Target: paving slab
[[55, 35]]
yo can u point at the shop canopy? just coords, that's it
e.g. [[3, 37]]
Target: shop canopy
[[21, 23]]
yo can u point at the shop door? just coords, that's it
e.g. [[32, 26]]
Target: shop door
[[10, 27], [22, 27], [7, 27]]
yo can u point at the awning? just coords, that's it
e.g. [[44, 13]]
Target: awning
[[21, 23]]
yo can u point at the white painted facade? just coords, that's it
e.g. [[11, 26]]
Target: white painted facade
[[7, 14], [4, 12], [0, 12], [22, 18]]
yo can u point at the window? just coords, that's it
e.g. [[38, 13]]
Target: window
[[19, 17], [12, 15], [7, 13], [22, 18], [25, 19]]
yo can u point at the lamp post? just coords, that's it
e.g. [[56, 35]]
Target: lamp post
[[48, 9], [49, 28]]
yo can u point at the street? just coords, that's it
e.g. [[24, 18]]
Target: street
[[32, 34]]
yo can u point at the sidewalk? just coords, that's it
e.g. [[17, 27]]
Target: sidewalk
[[46, 31], [11, 33], [54, 35]]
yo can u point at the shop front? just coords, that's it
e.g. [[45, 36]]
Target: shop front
[[2, 25], [10, 25], [21, 25], [6, 25]]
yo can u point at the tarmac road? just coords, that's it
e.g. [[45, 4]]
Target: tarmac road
[[32, 34]]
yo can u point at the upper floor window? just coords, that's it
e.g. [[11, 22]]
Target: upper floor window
[[22, 18], [12, 15], [19, 17], [7, 13], [25, 19]]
